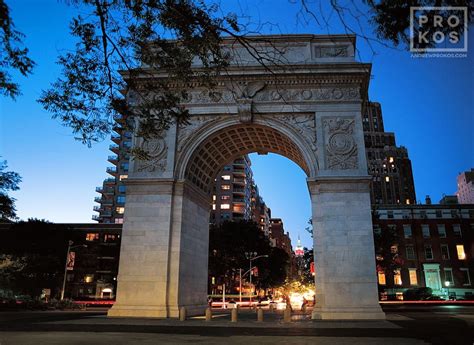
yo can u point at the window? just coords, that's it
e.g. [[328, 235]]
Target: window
[[423, 214], [428, 252], [397, 277], [225, 197], [214, 198], [88, 278], [407, 231], [381, 277], [124, 166], [214, 207], [448, 276], [413, 276], [225, 187], [454, 214], [123, 177], [410, 253], [92, 236], [444, 252], [120, 210], [457, 229], [460, 251], [110, 237], [426, 231], [439, 214], [226, 177], [121, 188], [442, 230], [387, 179], [389, 214], [118, 220], [466, 279], [225, 206], [121, 199]]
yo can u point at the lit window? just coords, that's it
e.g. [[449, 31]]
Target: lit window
[[92, 236], [444, 252], [407, 201], [225, 206], [118, 220], [448, 276], [88, 278], [120, 210], [461, 253], [123, 177], [110, 237], [390, 159], [410, 253], [226, 177], [442, 231], [428, 252], [225, 186], [381, 278], [225, 197], [214, 207], [426, 231], [397, 277], [387, 179], [214, 197], [413, 276]]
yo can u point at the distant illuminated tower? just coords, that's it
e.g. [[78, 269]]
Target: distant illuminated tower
[[299, 251]]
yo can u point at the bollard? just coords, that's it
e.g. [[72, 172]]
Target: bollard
[[182, 314], [287, 314], [272, 307], [234, 315], [208, 314], [259, 315]]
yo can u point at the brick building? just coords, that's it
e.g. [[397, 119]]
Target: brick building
[[435, 245]]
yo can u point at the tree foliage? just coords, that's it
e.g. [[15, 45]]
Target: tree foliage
[[33, 256], [13, 54], [386, 251], [228, 243], [9, 181], [135, 41]]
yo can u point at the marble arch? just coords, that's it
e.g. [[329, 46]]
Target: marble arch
[[309, 111]]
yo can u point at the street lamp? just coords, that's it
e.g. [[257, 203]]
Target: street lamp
[[447, 283], [69, 247], [251, 256]]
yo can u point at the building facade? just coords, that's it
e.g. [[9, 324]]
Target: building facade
[[232, 192], [389, 164], [434, 248], [465, 192]]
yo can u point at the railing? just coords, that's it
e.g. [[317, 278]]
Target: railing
[[96, 217], [113, 158], [113, 147], [99, 189], [112, 170], [109, 180], [97, 208]]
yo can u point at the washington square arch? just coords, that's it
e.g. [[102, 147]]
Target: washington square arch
[[308, 110]]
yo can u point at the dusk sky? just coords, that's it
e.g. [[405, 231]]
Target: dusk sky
[[427, 102]]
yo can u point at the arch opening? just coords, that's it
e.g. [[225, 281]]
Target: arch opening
[[234, 141]]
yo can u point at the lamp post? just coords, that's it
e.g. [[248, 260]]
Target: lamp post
[[447, 283], [251, 256], [69, 247]]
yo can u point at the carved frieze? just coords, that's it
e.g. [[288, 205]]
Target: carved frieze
[[331, 51], [195, 123], [157, 150], [305, 125], [340, 144], [274, 95]]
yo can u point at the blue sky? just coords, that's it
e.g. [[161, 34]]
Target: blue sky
[[427, 102]]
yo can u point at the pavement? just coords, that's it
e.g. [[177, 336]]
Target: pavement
[[404, 325]]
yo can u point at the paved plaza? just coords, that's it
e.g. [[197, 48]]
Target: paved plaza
[[404, 325]]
